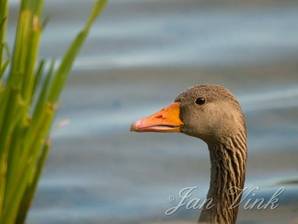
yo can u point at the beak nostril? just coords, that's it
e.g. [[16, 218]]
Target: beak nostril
[[159, 116]]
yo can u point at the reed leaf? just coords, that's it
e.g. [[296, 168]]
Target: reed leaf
[[37, 77], [29, 95], [31, 188], [73, 50], [3, 22]]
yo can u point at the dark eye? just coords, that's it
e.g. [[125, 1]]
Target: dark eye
[[200, 101]]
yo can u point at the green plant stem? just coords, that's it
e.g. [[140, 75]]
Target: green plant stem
[[3, 23], [68, 59], [31, 188], [29, 95]]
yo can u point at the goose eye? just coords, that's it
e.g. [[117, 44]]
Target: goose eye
[[200, 101]]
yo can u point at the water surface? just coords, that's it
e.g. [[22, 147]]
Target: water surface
[[139, 56]]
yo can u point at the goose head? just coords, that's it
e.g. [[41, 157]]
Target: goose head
[[209, 112]]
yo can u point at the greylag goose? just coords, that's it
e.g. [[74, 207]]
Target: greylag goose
[[211, 113]]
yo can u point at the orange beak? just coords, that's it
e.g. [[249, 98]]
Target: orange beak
[[166, 120]]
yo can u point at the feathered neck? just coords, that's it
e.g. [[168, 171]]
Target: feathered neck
[[228, 163]]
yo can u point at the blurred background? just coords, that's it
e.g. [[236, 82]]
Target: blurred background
[[139, 56]]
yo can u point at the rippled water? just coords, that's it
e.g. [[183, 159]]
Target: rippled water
[[139, 56]]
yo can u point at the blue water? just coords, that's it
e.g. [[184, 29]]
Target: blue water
[[139, 56]]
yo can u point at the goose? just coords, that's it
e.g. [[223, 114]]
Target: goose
[[213, 114]]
